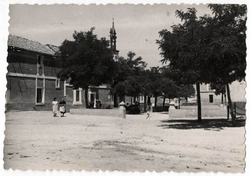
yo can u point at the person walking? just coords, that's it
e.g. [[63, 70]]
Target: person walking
[[148, 111], [62, 107], [54, 107]]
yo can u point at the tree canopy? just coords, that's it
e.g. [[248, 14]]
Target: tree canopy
[[207, 49], [86, 60], [128, 79]]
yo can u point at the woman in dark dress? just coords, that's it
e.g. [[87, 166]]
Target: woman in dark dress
[[62, 107]]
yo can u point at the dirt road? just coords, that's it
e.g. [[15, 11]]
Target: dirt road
[[38, 141]]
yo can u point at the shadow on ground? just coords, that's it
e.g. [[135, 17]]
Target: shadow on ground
[[207, 124]]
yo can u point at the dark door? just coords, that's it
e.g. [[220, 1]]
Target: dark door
[[211, 98]]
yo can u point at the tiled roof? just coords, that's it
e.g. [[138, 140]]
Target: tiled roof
[[23, 43], [53, 47]]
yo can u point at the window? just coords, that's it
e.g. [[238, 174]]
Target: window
[[57, 83], [211, 99], [141, 99], [40, 67], [39, 95], [77, 96], [39, 60], [92, 97], [40, 91]]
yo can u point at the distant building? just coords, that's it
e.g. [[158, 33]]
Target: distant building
[[208, 95], [237, 92]]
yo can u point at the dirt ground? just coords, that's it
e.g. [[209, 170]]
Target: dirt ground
[[38, 141]]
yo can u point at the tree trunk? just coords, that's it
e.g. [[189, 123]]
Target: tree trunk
[[86, 96], [198, 101], [155, 101], [115, 100], [225, 97], [222, 102], [149, 101], [179, 103], [231, 109], [145, 103], [163, 103]]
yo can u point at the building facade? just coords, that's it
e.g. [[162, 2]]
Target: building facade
[[208, 95], [31, 79]]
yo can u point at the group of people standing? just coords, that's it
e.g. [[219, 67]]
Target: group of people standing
[[62, 107]]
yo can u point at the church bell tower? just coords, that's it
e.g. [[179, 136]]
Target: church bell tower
[[113, 38]]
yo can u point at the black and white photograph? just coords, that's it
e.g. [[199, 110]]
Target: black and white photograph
[[126, 87]]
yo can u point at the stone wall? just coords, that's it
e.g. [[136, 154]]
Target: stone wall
[[98, 112], [190, 112]]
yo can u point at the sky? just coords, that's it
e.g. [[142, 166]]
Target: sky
[[137, 26]]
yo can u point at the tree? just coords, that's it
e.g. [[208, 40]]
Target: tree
[[160, 83], [227, 44], [129, 78], [154, 75], [86, 60], [173, 87], [171, 90], [208, 49], [182, 47]]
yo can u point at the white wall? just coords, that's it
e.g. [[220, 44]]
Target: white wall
[[237, 90]]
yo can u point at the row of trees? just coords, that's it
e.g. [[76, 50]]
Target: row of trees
[[133, 79], [208, 49], [88, 60]]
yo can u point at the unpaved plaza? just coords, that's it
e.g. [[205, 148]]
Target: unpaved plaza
[[38, 141]]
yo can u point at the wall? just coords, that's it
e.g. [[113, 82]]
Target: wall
[[99, 112], [21, 94], [237, 90], [190, 112], [205, 98], [21, 91], [105, 98]]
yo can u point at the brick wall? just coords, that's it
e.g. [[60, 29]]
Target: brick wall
[[26, 63], [21, 94]]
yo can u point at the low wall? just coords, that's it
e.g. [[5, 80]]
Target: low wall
[[27, 107], [160, 108], [191, 112], [98, 112], [181, 113]]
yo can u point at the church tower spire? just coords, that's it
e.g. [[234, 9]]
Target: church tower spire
[[113, 38]]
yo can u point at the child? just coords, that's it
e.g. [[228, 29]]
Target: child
[[62, 108], [54, 107], [148, 111]]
